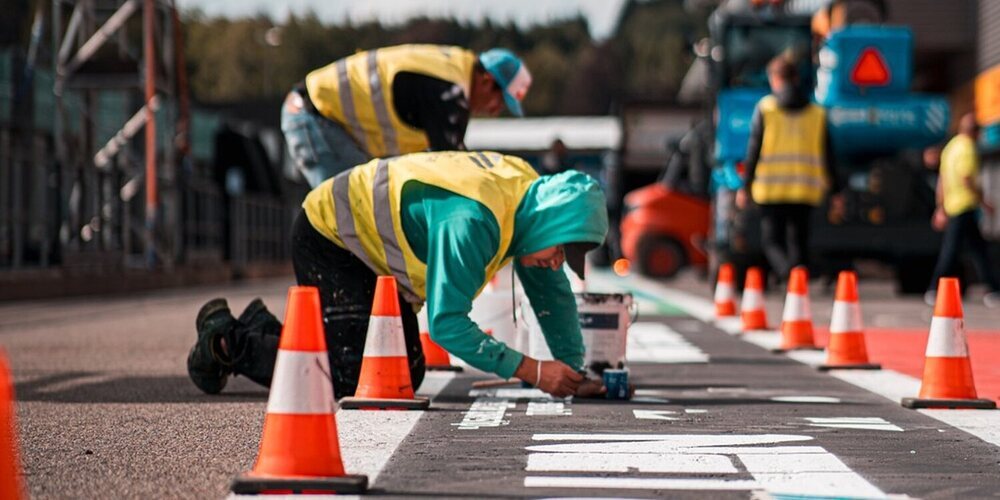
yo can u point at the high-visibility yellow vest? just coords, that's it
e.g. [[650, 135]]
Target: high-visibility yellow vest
[[359, 209], [790, 168], [357, 92]]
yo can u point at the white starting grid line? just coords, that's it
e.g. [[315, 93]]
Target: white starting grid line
[[984, 424], [779, 470]]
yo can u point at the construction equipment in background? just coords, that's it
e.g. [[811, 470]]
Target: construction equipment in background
[[752, 312], [725, 292], [862, 75]]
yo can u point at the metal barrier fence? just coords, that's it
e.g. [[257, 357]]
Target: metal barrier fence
[[91, 220]]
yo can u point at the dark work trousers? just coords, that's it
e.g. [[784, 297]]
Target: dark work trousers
[[963, 230], [784, 235], [346, 290]]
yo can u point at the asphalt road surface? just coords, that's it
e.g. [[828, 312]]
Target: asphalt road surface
[[106, 410]]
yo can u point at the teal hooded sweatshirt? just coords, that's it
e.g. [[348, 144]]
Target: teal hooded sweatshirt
[[456, 237]]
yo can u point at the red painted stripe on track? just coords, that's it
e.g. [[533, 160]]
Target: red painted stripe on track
[[902, 350]]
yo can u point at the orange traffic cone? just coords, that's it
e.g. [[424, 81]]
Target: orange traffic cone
[[385, 382], [725, 292], [300, 450], [437, 358], [847, 336], [10, 466], [752, 306], [947, 379], [796, 320]]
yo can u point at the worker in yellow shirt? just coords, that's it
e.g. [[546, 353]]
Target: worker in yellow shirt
[[789, 166], [396, 100], [959, 198]]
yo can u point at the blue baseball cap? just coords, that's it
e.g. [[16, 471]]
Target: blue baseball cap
[[511, 75]]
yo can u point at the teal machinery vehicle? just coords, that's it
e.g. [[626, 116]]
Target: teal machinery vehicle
[[861, 75]]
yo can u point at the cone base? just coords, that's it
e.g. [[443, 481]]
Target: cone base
[[858, 366], [976, 404], [353, 403], [780, 350], [248, 484], [444, 368]]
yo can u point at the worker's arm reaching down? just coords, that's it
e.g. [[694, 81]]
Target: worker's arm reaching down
[[457, 238], [462, 237]]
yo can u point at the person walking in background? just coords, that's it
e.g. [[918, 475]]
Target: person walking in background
[[789, 167], [959, 197], [396, 100]]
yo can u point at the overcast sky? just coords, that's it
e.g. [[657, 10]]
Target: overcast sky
[[601, 14]]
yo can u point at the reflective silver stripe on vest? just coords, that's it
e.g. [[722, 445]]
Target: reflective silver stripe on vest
[[347, 105], [345, 217], [804, 159], [386, 230], [803, 180], [381, 107], [485, 159]]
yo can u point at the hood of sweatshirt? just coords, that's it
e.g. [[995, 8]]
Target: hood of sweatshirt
[[564, 208]]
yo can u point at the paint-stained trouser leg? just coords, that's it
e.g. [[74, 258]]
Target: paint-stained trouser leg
[[346, 290]]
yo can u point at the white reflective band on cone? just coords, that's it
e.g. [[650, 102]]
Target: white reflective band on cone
[[846, 317], [385, 337], [301, 384], [796, 308], [724, 292], [752, 301], [947, 338]]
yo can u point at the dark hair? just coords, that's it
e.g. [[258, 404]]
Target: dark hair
[[783, 68]]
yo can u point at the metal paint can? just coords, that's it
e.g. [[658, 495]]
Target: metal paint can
[[604, 322], [616, 381]]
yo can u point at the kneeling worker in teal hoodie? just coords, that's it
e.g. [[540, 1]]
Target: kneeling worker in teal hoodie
[[443, 224]]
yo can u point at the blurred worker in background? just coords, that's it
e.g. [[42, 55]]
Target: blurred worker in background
[[789, 166], [396, 100], [556, 159], [959, 197], [443, 224]]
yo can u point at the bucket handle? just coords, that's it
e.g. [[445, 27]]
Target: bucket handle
[[633, 311]]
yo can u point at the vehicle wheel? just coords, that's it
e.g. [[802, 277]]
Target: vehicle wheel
[[660, 256]]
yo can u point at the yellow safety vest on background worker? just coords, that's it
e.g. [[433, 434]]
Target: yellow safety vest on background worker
[[959, 160], [359, 208], [366, 107], [790, 167]]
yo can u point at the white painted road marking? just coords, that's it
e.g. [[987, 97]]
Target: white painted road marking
[[788, 470], [548, 408], [486, 412], [630, 462], [658, 343], [654, 414], [635, 483], [984, 424], [865, 423], [806, 399]]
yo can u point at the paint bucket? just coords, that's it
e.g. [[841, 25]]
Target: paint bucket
[[616, 382], [604, 322]]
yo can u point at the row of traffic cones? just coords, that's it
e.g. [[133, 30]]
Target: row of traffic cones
[[300, 448], [947, 378]]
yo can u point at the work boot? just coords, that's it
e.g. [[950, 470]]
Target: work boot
[[257, 317], [208, 363], [254, 343]]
